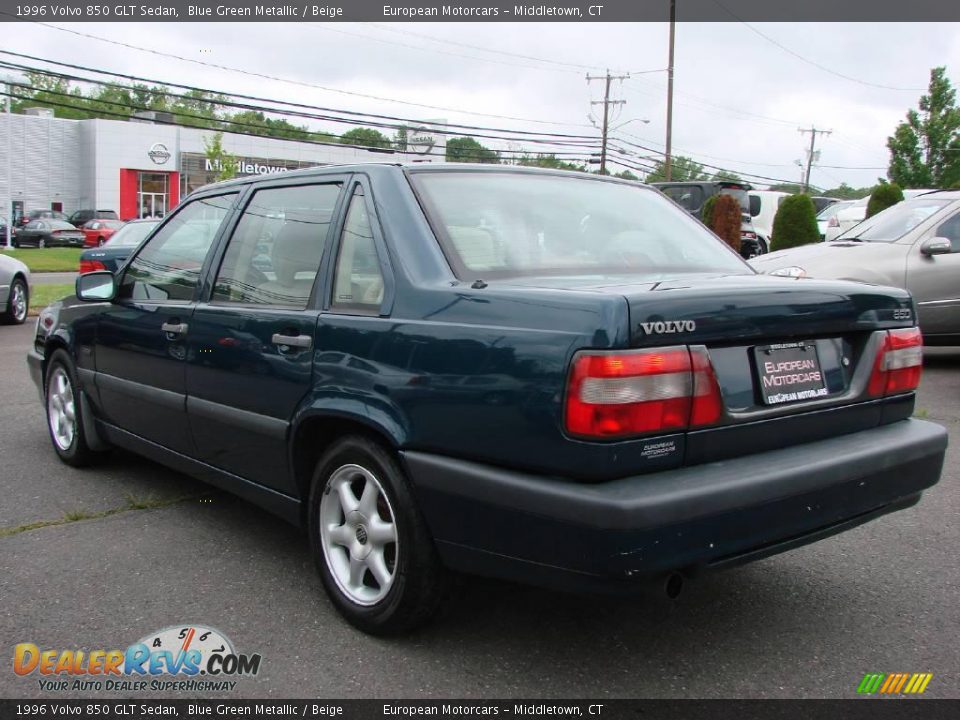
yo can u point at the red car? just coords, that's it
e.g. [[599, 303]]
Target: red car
[[97, 232]]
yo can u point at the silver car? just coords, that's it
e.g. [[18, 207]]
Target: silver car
[[14, 290], [914, 244]]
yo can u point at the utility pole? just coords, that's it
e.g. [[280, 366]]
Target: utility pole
[[810, 153], [668, 160], [606, 102], [8, 210]]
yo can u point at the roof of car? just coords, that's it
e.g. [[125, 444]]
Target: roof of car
[[320, 170]]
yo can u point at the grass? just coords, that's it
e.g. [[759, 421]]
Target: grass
[[43, 295], [48, 259], [72, 516]]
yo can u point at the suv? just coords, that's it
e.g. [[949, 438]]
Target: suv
[[82, 217], [692, 196], [553, 377]]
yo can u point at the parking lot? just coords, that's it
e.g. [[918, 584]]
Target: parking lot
[[163, 549]]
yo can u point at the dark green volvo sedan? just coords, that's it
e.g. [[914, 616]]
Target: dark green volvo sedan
[[548, 376]]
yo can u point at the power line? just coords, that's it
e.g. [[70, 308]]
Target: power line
[[301, 83], [552, 139], [807, 60]]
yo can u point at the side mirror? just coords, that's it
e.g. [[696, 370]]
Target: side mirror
[[936, 246], [96, 286]]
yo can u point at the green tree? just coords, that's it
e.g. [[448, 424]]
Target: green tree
[[792, 188], [925, 149], [626, 175], [224, 163], [466, 149], [400, 138], [845, 192], [365, 137], [706, 214], [795, 223], [727, 175], [683, 169], [548, 160], [885, 195]]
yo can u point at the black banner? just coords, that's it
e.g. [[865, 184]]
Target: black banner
[[478, 11], [862, 709]]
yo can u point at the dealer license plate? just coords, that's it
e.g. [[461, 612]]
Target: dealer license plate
[[789, 372]]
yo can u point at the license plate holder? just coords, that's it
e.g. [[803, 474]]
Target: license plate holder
[[789, 372]]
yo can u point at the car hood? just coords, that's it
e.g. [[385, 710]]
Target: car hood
[[881, 263]]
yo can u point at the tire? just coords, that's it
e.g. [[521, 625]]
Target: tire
[[62, 399], [18, 303], [352, 550], [100, 242]]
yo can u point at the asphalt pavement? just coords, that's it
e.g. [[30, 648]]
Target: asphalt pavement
[[167, 550]]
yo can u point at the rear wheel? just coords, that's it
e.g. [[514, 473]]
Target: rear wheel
[[17, 303], [371, 546], [41, 243], [64, 419], [99, 242]]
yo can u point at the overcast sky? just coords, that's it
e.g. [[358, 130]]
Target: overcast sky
[[739, 97]]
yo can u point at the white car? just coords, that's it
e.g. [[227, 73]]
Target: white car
[[824, 216], [763, 209], [856, 212], [14, 290]]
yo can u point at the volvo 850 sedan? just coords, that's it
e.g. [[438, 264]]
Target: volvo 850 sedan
[[549, 376]]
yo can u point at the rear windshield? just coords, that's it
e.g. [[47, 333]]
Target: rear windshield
[[131, 234], [896, 221], [495, 224]]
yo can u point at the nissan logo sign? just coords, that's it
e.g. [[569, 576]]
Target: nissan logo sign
[[158, 153]]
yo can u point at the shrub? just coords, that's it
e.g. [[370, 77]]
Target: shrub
[[884, 195], [795, 223], [706, 215], [726, 219]]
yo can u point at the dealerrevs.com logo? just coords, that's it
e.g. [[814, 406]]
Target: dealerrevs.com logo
[[188, 658]]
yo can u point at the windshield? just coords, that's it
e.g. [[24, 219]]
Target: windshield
[[130, 234], [830, 210], [494, 224], [896, 221]]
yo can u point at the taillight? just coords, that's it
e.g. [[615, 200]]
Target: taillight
[[748, 234], [91, 266], [638, 392], [833, 222], [899, 363]]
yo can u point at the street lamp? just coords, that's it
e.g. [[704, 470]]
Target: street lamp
[[645, 121]]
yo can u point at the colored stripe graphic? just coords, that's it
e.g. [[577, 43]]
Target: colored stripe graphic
[[894, 683]]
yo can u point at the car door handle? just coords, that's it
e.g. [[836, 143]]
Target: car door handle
[[174, 328], [300, 341]]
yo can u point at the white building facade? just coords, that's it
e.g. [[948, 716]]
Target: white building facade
[[141, 168]]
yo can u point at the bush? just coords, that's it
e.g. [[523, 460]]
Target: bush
[[726, 220], [706, 215], [884, 195], [795, 223]]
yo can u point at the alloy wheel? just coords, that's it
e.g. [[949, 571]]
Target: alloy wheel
[[358, 534], [18, 302], [61, 410]]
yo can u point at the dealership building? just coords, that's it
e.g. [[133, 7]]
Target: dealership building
[[143, 167]]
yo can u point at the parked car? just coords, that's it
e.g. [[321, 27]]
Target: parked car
[[96, 232], [692, 196], [48, 233], [14, 290], [823, 217], [29, 217], [846, 218], [82, 217], [913, 245], [117, 249], [763, 209], [3, 231], [653, 407]]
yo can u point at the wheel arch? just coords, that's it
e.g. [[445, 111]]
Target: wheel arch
[[316, 428]]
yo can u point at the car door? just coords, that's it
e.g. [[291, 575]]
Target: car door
[[141, 344], [935, 280], [251, 344], [29, 235]]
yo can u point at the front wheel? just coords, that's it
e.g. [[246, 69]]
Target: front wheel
[[17, 303], [41, 243], [64, 419], [371, 546]]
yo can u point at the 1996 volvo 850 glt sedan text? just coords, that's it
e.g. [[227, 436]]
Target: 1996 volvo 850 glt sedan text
[[547, 376]]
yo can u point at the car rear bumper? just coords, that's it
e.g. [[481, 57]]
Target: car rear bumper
[[610, 535]]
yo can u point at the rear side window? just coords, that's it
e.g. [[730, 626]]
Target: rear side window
[[274, 255], [494, 224], [168, 267], [689, 197], [358, 283]]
